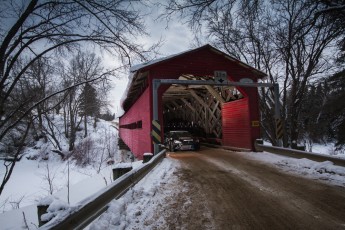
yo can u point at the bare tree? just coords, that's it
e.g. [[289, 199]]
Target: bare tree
[[16, 203], [9, 166], [51, 130], [39, 77], [285, 39], [35, 30], [49, 177], [81, 68]]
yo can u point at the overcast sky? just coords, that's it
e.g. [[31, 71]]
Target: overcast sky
[[177, 38]]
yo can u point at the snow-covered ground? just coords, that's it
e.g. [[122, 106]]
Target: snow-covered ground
[[326, 149], [33, 180], [137, 206], [324, 171], [29, 183]]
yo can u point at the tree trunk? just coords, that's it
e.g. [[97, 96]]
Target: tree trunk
[[65, 121], [72, 126], [85, 126]]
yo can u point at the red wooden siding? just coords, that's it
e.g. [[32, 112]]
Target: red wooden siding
[[254, 114], [205, 63], [236, 124], [138, 140], [200, 63]]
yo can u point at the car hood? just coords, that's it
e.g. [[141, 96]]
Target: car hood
[[185, 138]]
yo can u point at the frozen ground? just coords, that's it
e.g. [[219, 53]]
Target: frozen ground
[[83, 183], [29, 184], [136, 209]]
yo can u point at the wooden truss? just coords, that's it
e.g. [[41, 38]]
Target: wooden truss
[[197, 106]]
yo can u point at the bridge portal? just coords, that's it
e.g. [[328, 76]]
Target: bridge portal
[[225, 115]]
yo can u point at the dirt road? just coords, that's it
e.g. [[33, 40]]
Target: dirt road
[[222, 190]]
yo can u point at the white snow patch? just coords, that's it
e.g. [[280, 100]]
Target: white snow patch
[[324, 171], [122, 165], [45, 201], [133, 209], [29, 186], [54, 209]]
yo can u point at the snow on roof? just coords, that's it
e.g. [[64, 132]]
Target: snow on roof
[[145, 64], [124, 95]]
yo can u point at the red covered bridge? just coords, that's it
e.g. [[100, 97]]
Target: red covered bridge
[[226, 114]]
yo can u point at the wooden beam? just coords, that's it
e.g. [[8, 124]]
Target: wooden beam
[[214, 93], [192, 92], [230, 95], [215, 107], [188, 104], [207, 108]]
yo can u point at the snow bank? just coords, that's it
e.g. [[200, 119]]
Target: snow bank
[[56, 207], [45, 201], [324, 171], [122, 165], [133, 209]]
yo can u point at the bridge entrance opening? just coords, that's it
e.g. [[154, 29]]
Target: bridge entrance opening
[[197, 108], [240, 128]]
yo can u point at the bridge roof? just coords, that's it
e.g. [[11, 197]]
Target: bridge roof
[[137, 72], [151, 63]]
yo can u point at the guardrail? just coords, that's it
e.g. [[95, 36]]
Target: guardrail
[[298, 153], [225, 147], [82, 214]]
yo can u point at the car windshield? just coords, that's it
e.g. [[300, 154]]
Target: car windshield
[[181, 134]]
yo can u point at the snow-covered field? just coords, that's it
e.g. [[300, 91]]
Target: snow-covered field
[[33, 180], [29, 184]]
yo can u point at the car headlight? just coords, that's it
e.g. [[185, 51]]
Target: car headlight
[[177, 142]]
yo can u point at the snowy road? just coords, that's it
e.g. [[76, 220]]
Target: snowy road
[[227, 191], [218, 189]]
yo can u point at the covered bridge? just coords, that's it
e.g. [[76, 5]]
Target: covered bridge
[[226, 115]]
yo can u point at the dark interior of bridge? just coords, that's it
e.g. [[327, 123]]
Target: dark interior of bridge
[[197, 108]]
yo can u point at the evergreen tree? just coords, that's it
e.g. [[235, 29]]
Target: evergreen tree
[[336, 105], [89, 105], [316, 114]]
